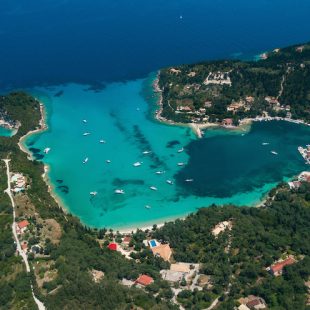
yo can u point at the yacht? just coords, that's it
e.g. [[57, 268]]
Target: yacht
[[102, 141], [181, 164], [189, 180], [137, 164], [86, 133], [46, 150], [147, 207], [93, 193], [119, 191], [169, 182], [181, 150], [274, 152], [265, 143], [85, 160], [108, 161], [153, 188]]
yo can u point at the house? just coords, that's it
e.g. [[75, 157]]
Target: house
[[304, 176], [227, 122], [220, 227], [300, 49], [277, 268], [21, 226], [180, 267], [184, 108], [191, 74], [24, 246], [126, 240], [162, 250], [208, 104], [294, 184], [112, 246], [175, 71], [272, 100], [144, 280], [252, 302], [249, 99], [176, 273]]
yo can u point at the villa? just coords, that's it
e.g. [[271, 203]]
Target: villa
[[252, 302], [162, 250], [277, 268], [144, 280], [21, 227]]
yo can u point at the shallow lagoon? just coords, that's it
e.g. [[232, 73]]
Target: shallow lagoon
[[226, 167]]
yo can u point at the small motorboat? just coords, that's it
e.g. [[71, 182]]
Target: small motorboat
[[119, 191], [189, 180], [181, 150], [137, 164], [160, 172], [84, 121], [146, 152], [181, 164], [169, 182], [153, 188], [108, 161], [274, 152], [93, 193], [46, 150], [265, 143], [86, 133], [102, 141], [85, 160], [147, 207]]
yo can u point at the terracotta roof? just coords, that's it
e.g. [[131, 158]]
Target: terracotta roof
[[24, 246], [144, 280], [279, 266], [163, 250], [127, 239], [23, 224], [179, 267]]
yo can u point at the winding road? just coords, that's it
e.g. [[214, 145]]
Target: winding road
[[18, 246]]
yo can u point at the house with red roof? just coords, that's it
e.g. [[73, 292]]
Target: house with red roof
[[126, 240], [21, 226], [112, 246], [144, 280], [277, 268]]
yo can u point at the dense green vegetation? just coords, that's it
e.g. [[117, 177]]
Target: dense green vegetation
[[184, 86], [237, 259]]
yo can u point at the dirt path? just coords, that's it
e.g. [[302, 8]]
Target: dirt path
[[18, 246]]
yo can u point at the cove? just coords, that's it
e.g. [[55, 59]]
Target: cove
[[226, 167]]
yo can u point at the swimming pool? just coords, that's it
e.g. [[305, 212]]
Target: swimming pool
[[152, 243]]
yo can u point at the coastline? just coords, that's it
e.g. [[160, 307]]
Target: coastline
[[197, 128], [42, 127]]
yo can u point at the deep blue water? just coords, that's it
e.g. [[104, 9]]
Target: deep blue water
[[53, 42]]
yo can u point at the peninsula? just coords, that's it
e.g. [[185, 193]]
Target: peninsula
[[233, 92]]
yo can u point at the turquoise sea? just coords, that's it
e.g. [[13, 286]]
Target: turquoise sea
[[4, 132], [226, 166]]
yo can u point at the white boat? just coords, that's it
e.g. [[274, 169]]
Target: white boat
[[265, 143], [86, 133], [84, 121], [181, 164], [160, 172], [147, 207], [85, 160], [274, 152], [137, 164], [181, 150], [169, 182], [93, 193], [189, 180], [146, 152], [108, 161], [153, 188], [102, 141], [119, 191], [46, 150]]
